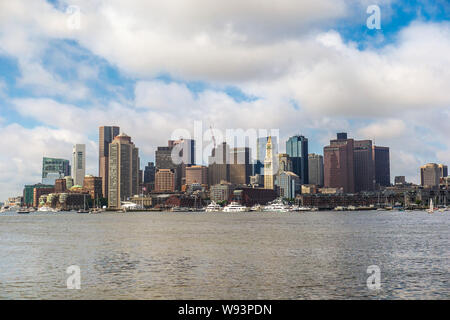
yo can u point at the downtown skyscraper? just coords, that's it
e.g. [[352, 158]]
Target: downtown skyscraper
[[106, 136], [79, 164], [297, 149], [123, 175]]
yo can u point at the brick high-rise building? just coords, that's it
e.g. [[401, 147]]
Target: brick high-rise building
[[338, 164], [60, 185], [197, 174], [363, 165], [93, 185], [123, 176], [106, 136], [165, 180]]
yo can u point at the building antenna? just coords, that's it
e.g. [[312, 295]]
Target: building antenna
[[212, 133]]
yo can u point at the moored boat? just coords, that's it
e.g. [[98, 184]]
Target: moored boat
[[234, 207]]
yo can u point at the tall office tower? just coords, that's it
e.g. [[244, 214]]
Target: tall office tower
[[261, 144], [430, 175], [197, 174], [219, 164], [315, 167], [123, 176], [106, 136], [443, 169], [363, 165], [53, 169], [165, 180], [149, 173], [240, 165], [79, 164], [297, 149], [269, 182], [338, 169], [176, 156], [382, 166]]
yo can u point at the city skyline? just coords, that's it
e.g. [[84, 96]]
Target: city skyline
[[329, 74]]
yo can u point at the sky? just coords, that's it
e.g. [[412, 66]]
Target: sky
[[154, 67]]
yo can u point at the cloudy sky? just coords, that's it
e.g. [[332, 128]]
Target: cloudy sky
[[151, 67]]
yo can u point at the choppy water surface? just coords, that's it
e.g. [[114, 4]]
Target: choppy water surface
[[320, 255]]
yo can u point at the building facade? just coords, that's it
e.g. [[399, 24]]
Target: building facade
[[261, 146], [363, 165], [53, 168], [338, 164], [269, 172], [79, 164], [123, 176], [165, 180], [289, 184], [106, 136], [297, 149], [93, 185], [197, 174], [315, 167], [430, 175], [240, 165], [382, 167], [219, 164]]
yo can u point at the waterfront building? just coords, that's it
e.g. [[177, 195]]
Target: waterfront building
[[39, 192], [315, 167], [78, 163], [53, 168], [289, 184], [338, 164], [60, 185], [123, 180], [93, 185], [221, 191], [240, 165], [363, 165], [106, 136], [269, 182], [429, 175], [297, 149], [219, 164], [249, 197], [380, 156], [165, 180], [28, 193], [196, 174]]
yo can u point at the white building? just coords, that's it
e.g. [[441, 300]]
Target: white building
[[79, 164]]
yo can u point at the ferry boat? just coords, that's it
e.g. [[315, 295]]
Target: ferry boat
[[213, 207], [277, 206], [234, 207]]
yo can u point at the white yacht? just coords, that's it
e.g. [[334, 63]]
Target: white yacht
[[300, 208], [277, 206], [234, 207], [213, 207], [45, 209]]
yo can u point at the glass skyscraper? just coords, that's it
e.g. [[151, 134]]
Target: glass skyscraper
[[53, 169], [297, 149]]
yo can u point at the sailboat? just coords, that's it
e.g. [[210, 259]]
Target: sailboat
[[431, 209], [84, 210]]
